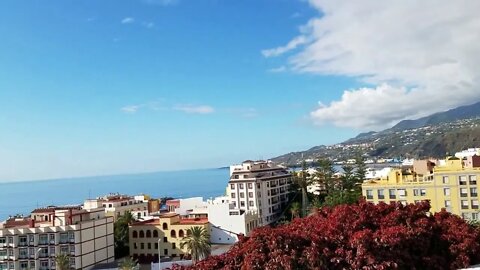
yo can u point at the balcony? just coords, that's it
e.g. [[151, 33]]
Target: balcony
[[473, 194], [463, 194]]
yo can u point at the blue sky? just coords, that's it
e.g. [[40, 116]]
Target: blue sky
[[105, 87]]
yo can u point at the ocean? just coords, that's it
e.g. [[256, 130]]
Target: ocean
[[23, 197]]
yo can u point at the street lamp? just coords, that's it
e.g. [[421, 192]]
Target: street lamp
[[159, 259]]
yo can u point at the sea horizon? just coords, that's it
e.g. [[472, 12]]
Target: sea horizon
[[21, 197]]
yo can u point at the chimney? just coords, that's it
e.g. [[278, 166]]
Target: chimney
[[53, 219], [31, 223]]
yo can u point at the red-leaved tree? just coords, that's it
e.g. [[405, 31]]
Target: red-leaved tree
[[360, 236]]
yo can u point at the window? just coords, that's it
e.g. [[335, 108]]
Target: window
[[448, 204], [463, 192], [423, 192], [240, 186], [369, 194], [473, 179], [134, 234], [71, 237], [156, 245], [165, 226], [474, 204], [135, 246], [149, 245], [245, 176], [232, 186], [464, 204], [473, 192], [381, 194], [52, 251], [242, 195], [402, 192], [155, 233], [462, 180], [63, 238], [64, 250], [250, 203], [165, 240], [445, 179], [173, 234], [446, 191], [232, 195], [416, 192], [142, 246], [149, 234], [250, 185], [475, 216], [22, 241], [141, 234], [235, 176], [242, 204], [181, 233], [43, 239], [174, 246], [165, 252], [258, 185], [391, 193], [250, 194]]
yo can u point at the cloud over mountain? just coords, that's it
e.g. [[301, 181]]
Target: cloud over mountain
[[415, 57]]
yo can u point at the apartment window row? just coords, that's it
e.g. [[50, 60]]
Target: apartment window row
[[242, 186], [392, 193], [155, 234], [464, 192], [43, 239], [149, 245], [462, 179], [466, 204]]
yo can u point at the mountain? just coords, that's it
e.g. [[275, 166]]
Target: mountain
[[431, 136], [464, 112]]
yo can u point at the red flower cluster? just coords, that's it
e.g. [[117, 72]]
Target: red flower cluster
[[360, 236]]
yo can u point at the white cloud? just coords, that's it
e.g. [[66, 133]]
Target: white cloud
[[128, 20], [202, 109], [148, 24], [278, 69], [293, 44], [415, 57], [131, 108]]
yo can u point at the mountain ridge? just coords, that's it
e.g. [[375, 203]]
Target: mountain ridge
[[431, 136]]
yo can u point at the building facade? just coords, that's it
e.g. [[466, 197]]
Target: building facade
[[259, 187], [116, 205], [162, 234], [449, 184], [85, 234]]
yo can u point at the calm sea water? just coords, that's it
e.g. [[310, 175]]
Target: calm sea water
[[22, 197]]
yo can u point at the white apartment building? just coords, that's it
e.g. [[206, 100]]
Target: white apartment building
[[33, 242], [117, 204], [259, 186]]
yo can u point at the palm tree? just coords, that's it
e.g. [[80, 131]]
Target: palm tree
[[197, 243], [295, 209], [62, 261], [302, 180], [128, 217], [128, 264]]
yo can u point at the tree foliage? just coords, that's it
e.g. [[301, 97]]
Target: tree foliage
[[357, 236], [128, 264], [197, 243], [121, 234], [62, 261]]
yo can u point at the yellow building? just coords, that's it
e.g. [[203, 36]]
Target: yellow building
[[167, 230], [451, 185]]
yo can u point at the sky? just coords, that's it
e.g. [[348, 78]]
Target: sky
[[110, 87]]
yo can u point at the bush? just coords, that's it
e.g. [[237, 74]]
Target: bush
[[359, 236]]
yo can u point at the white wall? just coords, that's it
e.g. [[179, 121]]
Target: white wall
[[189, 204]]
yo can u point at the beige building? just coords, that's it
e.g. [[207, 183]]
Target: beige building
[[451, 184], [117, 204], [163, 235], [85, 234], [259, 187]]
